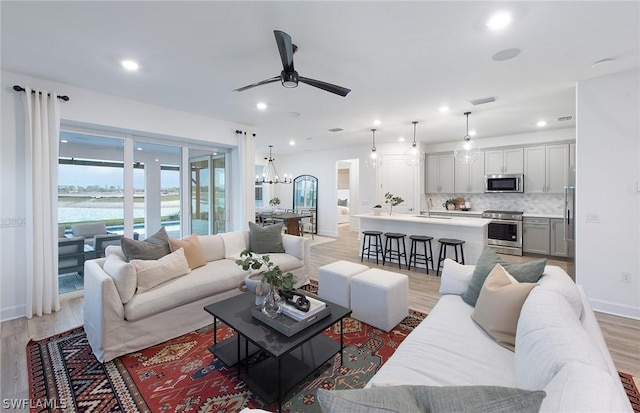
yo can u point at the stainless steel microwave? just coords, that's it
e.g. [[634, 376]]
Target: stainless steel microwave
[[504, 183]]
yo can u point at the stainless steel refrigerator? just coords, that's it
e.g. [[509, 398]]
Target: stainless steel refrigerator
[[569, 223]]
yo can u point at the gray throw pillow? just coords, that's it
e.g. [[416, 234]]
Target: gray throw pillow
[[529, 273], [478, 399], [263, 240], [342, 202], [432, 399], [152, 248], [376, 400]]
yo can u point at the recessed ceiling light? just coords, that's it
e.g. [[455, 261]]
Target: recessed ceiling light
[[376, 122], [157, 160], [499, 20], [472, 133], [138, 149], [130, 65], [64, 141], [443, 109], [292, 142], [261, 105], [541, 123], [401, 139]]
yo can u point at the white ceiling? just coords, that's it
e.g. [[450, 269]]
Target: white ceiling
[[402, 60]]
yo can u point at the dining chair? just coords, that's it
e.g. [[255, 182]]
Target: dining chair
[[306, 224]]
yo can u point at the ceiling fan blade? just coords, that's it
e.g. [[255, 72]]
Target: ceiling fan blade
[[285, 47], [338, 90], [263, 82]]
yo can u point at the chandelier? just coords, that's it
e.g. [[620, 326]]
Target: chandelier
[[466, 151], [270, 173]]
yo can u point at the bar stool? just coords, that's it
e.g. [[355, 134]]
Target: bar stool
[[420, 258], [449, 242], [388, 248], [376, 235]]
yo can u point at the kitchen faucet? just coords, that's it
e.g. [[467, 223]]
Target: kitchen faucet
[[429, 206]]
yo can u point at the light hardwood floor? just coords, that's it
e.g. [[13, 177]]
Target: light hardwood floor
[[621, 334]]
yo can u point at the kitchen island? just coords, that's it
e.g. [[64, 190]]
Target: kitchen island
[[471, 230]]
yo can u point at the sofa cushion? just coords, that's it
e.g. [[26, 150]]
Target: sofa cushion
[[265, 240], [580, 388], [455, 277], [234, 243], [192, 250], [548, 336], [286, 262], [122, 272], [529, 272], [432, 399], [151, 273], [212, 247], [498, 307], [439, 355], [214, 278], [152, 248]]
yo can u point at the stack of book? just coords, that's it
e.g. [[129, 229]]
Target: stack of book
[[298, 315]]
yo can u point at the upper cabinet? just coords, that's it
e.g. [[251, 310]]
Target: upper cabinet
[[469, 178], [546, 169], [440, 174], [504, 161]]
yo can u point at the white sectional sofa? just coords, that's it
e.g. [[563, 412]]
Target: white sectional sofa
[[119, 320], [559, 348]]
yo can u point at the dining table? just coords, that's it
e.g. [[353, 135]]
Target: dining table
[[291, 219]]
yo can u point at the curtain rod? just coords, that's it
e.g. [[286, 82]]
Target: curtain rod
[[21, 89]]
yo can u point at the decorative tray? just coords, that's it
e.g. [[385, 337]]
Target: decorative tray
[[287, 325]]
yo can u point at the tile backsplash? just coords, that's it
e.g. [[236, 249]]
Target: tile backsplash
[[528, 203]]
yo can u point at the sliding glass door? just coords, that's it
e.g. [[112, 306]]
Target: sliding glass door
[[208, 192]]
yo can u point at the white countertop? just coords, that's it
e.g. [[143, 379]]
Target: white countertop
[[413, 218], [541, 215], [474, 212]]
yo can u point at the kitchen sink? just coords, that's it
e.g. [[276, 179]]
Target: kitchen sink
[[424, 216]]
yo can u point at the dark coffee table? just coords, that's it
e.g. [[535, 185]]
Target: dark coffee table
[[290, 360]]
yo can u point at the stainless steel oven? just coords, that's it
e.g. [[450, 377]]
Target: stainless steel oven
[[504, 231]]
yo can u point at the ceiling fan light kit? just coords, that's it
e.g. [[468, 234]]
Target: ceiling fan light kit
[[270, 173], [467, 151], [289, 77]]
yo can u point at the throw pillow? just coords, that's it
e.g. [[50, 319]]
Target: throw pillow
[[152, 248], [498, 307], [529, 272], [192, 250], [342, 202], [151, 273], [455, 277], [123, 274], [267, 239], [433, 399]]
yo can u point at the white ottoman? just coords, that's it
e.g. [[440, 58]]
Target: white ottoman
[[380, 298], [334, 281]]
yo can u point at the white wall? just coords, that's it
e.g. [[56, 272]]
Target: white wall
[[607, 179], [85, 108]]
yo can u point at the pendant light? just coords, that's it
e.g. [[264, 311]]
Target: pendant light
[[270, 173], [412, 156], [373, 161], [466, 151]]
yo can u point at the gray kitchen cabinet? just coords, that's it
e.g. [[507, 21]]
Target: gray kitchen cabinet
[[535, 235], [504, 161], [440, 174], [546, 169], [558, 246], [469, 178]]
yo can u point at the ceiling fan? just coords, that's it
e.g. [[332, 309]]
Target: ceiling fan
[[289, 77]]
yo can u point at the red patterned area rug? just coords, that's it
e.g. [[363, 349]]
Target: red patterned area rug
[[181, 375]]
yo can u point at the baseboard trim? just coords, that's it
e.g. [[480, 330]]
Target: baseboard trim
[[11, 313], [615, 309]]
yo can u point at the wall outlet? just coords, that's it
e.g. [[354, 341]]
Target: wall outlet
[[625, 277], [593, 218]]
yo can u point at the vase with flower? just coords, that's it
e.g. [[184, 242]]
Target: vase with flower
[[272, 277]]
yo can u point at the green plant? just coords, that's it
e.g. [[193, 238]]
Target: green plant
[[275, 201], [451, 201], [272, 275], [392, 200]]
